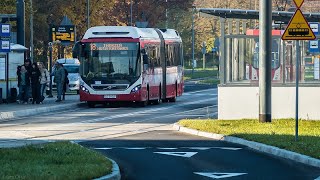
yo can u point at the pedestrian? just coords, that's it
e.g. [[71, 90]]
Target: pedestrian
[[35, 83], [59, 79], [23, 84], [28, 66], [44, 80], [66, 83]]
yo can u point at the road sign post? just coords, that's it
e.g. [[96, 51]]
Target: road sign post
[[5, 31], [298, 29]]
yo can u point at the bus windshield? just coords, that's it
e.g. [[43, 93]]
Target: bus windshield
[[110, 63]]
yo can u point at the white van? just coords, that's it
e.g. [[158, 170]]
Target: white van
[[72, 66]]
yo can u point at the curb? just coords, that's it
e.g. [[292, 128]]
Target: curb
[[35, 111], [254, 145], [115, 175]]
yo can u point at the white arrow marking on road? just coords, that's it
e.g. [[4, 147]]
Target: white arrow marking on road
[[180, 154], [219, 175], [103, 148]]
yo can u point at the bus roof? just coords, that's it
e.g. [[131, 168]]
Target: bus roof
[[128, 32]]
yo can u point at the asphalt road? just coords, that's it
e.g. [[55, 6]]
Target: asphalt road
[[170, 155], [141, 140], [83, 123]]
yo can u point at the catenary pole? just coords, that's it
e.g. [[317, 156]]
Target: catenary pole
[[265, 39]]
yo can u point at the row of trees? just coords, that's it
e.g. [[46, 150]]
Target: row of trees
[[117, 13]]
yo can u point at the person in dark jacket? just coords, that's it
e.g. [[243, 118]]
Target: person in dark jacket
[[28, 66], [23, 84], [35, 83], [66, 83]]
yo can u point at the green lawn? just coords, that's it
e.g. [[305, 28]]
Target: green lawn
[[61, 160], [279, 133], [200, 73]]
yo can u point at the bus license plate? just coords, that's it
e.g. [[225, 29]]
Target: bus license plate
[[110, 96]]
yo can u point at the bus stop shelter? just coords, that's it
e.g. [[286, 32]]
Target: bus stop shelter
[[239, 67]]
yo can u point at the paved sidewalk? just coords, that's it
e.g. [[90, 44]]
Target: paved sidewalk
[[13, 110]]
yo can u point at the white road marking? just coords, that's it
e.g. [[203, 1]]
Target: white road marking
[[215, 175], [200, 148], [167, 148], [233, 149], [103, 148], [136, 148], [206, 148], [180, 154], [318, 178]]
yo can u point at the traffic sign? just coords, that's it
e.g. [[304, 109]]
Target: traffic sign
[[5, 46], [5, 30], [314, 46], [298, 28], [314, 27], [298, 3]]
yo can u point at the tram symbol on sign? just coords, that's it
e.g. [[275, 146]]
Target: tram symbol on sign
[[298, 31]]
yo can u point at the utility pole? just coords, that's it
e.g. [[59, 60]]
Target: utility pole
[[131, 8], [31, 33], [193, 8], [166, 14], [265, 40], [21, 22], [50, 68], [88, 14], [204, 54]]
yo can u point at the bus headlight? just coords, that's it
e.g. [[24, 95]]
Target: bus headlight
[[84, 89], [136, 89]]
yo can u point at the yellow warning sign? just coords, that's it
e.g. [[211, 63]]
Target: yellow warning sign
[[298, 28], [298, 3]]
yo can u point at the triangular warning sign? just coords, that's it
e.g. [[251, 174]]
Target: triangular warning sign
[[298, 3], [298, 28]]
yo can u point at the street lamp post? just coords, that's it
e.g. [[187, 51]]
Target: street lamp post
[[31, 32], [88, 14], [50, 69], [131, 7], [193, 8]]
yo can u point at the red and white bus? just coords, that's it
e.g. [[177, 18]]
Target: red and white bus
[[130, 64]]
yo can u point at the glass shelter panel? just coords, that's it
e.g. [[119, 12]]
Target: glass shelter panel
[[241, 61]]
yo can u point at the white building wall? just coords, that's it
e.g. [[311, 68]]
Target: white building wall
[[243, 102]]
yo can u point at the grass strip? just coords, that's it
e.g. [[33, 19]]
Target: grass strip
[[200, 74], [60, 160], [279, 133]]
